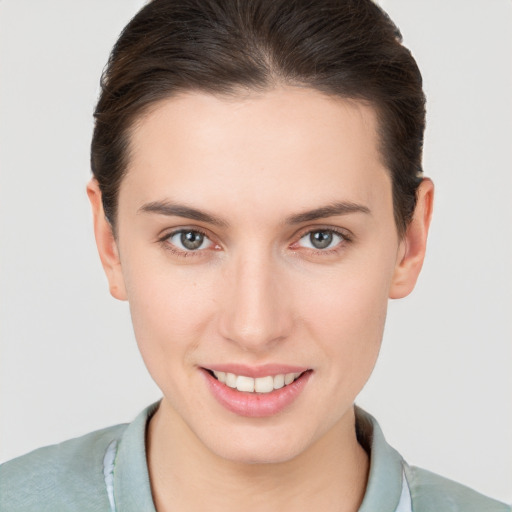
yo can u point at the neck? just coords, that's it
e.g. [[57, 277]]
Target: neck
[[330, 475]]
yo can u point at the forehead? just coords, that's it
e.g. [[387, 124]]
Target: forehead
[[289, 147]]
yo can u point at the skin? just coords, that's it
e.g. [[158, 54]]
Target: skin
[[259, 292]]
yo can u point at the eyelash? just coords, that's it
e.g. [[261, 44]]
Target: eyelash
[[345, 240], [164, 241], [167, 245]]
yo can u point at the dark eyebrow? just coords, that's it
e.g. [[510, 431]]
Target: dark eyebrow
[[331, 210], [180, 210]]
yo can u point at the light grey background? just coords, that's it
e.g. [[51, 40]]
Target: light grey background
[[69, 363]]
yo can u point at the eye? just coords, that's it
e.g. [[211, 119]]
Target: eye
[[189, 240], [321, 239]]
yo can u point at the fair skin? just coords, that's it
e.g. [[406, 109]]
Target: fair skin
[[296, 253]]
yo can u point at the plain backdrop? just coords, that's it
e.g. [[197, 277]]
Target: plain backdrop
[[69, 363]]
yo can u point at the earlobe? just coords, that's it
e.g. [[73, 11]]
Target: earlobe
[[413, 246], [106, 243]]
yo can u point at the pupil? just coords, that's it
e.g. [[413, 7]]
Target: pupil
[[192, 239], [321, 239]]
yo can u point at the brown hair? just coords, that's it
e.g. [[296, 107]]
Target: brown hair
[[347, 48]]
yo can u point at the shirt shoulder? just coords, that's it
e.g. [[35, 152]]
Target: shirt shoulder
[[432, 493], [67, 476]]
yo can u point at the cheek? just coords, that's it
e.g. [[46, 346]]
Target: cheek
[[352, 315], [347, 313], [170, 313]]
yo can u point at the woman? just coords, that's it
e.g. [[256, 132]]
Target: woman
[[257, 198]]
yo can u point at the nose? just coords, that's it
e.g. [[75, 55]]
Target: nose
[[256, 312]]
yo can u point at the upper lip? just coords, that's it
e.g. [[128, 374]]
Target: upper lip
[[256, 371]]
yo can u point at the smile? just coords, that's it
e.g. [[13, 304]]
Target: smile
[[265, 394], [256, 385]]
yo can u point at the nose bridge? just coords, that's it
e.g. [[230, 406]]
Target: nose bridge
[[255, 313]]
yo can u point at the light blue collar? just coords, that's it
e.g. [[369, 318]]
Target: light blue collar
[[387, 489], [129, 490]]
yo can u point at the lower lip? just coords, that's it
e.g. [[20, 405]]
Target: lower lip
[[256, 405]]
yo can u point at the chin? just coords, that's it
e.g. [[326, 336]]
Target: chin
[[259, 445], [266, 455]]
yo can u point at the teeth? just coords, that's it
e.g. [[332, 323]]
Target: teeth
[[278, 381], [289, 378], [258, 385], [245, 384], [263, 384], [231, 380]]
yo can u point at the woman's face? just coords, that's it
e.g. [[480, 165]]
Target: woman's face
[[256, 238]]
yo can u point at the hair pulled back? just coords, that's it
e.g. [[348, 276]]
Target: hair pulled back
[[347, 48]]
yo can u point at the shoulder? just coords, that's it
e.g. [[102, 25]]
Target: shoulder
[[65, 476], [392, 481], [433, 493]]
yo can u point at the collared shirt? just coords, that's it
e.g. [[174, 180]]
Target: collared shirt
[[107, 471]]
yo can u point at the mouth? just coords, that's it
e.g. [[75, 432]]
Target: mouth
[[261, 396], [266, 384]]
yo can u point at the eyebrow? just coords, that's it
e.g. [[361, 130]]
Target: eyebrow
[[179, 210], [331, 210]]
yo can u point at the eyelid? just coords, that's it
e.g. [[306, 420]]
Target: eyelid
[[165, 235], [168, 232], [345, 234]]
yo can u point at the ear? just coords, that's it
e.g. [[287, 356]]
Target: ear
[[106, 243], [413, 246]]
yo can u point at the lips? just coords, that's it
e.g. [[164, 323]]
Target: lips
[[256, 392]]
